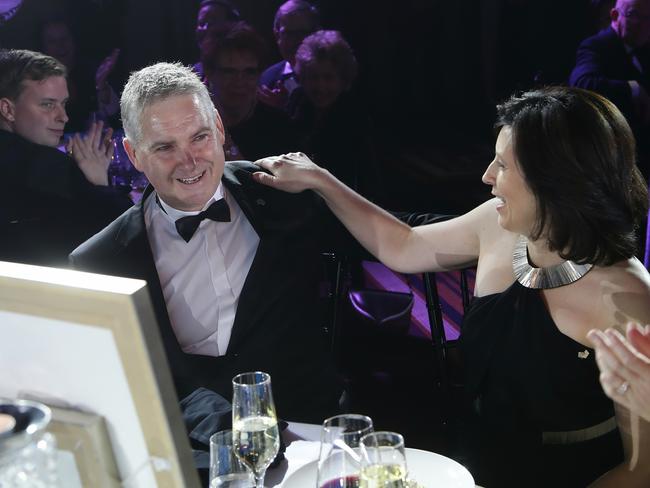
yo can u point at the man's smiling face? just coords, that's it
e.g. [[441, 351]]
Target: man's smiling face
[[180, 151]]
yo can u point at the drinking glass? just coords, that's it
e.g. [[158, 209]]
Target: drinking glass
[[256, 438], [339, 461], [383, 461], [226, 470]]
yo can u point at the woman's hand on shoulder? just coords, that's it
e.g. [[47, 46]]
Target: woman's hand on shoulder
[[292, 172]]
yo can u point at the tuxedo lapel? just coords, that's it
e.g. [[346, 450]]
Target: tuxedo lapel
[[134, 254], [247, 195]]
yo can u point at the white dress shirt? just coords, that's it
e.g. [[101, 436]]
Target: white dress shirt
[[201, 279]]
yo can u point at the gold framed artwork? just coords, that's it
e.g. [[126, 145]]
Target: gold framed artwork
[[90, 343]]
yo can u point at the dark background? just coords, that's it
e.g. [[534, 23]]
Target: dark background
[[431, 71]]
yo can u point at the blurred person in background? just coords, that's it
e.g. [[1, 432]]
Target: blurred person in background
[[616, 63], [294, 20], [213, 16], [49, 201], [232, 61], [334, 127], [91, 96]]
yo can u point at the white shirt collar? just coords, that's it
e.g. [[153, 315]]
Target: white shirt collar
[[175, 214]]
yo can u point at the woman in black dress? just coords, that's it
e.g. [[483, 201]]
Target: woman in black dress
[[554, 251]]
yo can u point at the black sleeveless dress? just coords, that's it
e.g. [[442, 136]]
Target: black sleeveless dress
[[527, 385]]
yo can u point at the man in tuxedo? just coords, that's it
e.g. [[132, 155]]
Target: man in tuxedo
[[49, 202], [294, 20], [232, 266], [616, 63]]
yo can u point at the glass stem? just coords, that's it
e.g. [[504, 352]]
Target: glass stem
[[259, 479]]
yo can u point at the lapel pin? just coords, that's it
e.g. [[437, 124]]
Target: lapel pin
[[583, 354], [260, 201]]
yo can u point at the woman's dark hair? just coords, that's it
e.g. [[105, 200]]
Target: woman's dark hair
[[578, 157]]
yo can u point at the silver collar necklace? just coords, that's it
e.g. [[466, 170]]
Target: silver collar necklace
[[543, 278]]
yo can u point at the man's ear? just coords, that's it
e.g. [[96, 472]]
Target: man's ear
[[219, 124], [130, 151], [614, 14], [7, 110]]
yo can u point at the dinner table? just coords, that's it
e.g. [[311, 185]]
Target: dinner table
[[302, 447]]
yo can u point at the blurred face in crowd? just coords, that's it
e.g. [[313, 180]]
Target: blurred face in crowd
[[38, 114], [180, 151], [517, 205], [57, 41], [322, 83], [209, 18], [631, 20], [292, 28], [235, 80]]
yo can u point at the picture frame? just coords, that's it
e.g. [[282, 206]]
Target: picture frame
[[91, 342]]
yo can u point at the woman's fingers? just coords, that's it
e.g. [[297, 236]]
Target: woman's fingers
[[628, 357], [264, 178], [639, 337]]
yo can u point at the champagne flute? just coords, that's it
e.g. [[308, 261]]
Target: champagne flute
[[256, 438], [226, 470], [339, 460], [383, 461]]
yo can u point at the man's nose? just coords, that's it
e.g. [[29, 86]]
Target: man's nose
[[62, 115], [188, 158]]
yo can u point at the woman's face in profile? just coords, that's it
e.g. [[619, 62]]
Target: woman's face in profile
[[322, 83], [516, 206]]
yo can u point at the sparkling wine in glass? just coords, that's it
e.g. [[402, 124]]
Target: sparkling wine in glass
[[256, 438], [383, 461]]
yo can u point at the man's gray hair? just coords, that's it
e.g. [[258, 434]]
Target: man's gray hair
[[159, 82]]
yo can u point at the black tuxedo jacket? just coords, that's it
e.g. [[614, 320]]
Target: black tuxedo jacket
[[277, 327], [604, 66]]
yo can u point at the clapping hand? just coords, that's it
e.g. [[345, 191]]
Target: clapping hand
[[625, 366], [93, 153], [293, 172], [102, 74]]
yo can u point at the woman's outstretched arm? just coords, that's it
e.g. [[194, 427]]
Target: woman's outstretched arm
[[440, 246]]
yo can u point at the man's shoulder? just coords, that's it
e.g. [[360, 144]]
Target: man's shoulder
[[271, 204], [603, 38], [31, 167], [240, 173], [13, 145], [109, 241]]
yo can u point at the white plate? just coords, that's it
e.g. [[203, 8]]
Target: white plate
[[429, 469]]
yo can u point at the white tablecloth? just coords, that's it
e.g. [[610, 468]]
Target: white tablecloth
[[303, 443]]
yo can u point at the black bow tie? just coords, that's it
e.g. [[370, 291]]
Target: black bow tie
[[218, 211]]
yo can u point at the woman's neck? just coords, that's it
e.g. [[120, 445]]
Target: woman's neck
[[540, 256]]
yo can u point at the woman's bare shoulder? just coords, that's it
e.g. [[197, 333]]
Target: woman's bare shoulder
[[624, 288]]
